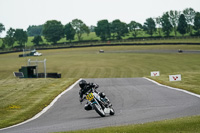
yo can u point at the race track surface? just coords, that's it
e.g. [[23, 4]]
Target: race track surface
[[135, 100]]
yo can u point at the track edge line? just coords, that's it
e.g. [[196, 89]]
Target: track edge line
[[173, 88]]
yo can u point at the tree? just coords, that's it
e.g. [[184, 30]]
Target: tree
[[197, 23], [34, 30], [158, 21], [53, 31], [2, 28], [86, 29], [166, 25], [9, 40], [189, 14], [134, 26], [21, 37], [37, 39], [69, 32], [92, 28], [149, 26], [103, 29], [79, 27], [119, 29], [173, 17], [182, 25]]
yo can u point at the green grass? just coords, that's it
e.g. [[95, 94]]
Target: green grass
[[190, 81], [88, 63], [20, 99], [180, 125]]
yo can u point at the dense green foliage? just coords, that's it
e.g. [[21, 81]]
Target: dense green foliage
[[103, 30], [189, 14], [133, 27], [118, 29], [53, 31], [197, 22], [69, 32], [9, 40], [149, 26], [166, 25], [182, 25], [37, 39], [173, 17], [34, 30], [21, 37], [2, 28], [80, 28]]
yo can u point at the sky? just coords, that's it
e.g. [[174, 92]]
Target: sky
[[19, 14]]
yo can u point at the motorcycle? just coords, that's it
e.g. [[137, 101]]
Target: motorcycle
[[99, 104]]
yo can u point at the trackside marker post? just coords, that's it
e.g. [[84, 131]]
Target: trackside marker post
[[155, 73], [175, 77]]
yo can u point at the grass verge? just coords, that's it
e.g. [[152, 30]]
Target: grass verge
[[21, 99], [180, 125]]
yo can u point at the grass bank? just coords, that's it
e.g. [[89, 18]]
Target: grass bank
[[21, 99], [180, 125]]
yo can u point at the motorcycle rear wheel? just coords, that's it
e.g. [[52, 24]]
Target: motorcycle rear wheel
[[99, 110], [112, 111]]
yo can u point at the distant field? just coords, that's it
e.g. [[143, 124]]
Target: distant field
[[19, 96], [92, 36], [89, 63]]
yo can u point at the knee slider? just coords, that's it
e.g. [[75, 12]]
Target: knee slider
[[102, 94]]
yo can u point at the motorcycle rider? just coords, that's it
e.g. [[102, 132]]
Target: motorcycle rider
[[87, 87]]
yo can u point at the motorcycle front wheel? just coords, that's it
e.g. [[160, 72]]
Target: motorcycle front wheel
[[99, 110]]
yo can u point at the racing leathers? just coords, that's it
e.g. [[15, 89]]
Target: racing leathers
[[87, 88]]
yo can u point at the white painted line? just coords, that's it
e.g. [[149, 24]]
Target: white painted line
[[45, 109], [177, 89]]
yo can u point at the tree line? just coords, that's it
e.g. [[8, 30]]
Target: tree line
[[174, 21]]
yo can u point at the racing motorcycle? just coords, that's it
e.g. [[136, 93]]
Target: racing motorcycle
[[99, 104]]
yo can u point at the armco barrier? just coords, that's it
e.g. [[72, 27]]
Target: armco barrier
[[97, 45]]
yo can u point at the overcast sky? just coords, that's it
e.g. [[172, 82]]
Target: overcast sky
[[22, 13]]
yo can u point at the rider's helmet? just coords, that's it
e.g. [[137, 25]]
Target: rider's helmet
[[82, 84]]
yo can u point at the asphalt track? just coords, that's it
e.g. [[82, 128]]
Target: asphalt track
[[135, 100], [155, 51]]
